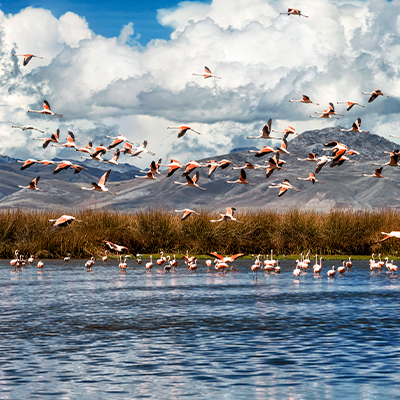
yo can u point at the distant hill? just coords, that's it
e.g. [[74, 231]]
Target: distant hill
[[342, 186]]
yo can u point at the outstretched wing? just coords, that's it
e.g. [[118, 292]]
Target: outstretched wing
[[104, 178], [46, 105]]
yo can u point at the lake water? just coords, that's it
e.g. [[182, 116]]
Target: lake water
[[69, 334]]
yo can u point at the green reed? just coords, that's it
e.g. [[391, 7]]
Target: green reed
[[339, 232]]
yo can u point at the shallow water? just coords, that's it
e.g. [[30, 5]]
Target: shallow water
[[70, 334]]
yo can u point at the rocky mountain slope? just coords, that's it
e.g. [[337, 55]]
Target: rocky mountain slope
[[342, 186]]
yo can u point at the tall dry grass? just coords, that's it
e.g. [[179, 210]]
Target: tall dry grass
[[337, 232]]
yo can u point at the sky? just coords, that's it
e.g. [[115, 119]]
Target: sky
[[128, 69]]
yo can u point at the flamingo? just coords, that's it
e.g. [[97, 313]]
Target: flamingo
[[114, 160], [293, 11], [117, 140], [321, 161], [173, 166], [70, 142], [338, 149], [331, 111], [46, 110], [54, 138], [284, 144], [100, 186], [297, 270], [256, 266], [27, 127], [248, 165], [207, 74], [15, 261], [139, 259], [350, 104], [394, 159], [274, 164], [190, 167], [150, 264], [208, 263], [122, 264], [28, 163], [349, 264], [183, 130], [63, 221], [264, 151], [325, 114], [228, 259], [311, 157], [377, 174], [193, 265], [187, 213], [191, 182], [27, 58], [355, 127], [374, 95], [271, 262], [331, 273], [66, 259], [116, 247], [105, 257], [32, 185], [395, 234], [311, 178], [317, 267], [154, 166], [89, 263], [288, 131], [221, 265], [212, 165], [390, 266], [223, 164], [266, 132], [284, 186], [161, 261], [373, 265], [242, 179], [149, 175], [228, 216], [87, 149], [63, 165], [305, 100], [340, 161], [342, 269], [40, 264], [31, 259], [142, 149]]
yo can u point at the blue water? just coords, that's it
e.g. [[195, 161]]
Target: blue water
[[69, 334]]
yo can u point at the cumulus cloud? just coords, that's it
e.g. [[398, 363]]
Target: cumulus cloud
[[264, 58]]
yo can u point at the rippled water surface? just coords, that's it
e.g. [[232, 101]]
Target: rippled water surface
[[69, 334]]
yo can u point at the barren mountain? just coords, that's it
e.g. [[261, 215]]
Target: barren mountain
[[343, 186]]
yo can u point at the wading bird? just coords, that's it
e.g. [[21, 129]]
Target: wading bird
[[192, 182], [183, 130], [54, 139], [27, 58], [395, 234], [64, 220], [46, 110], [208, 74], [32, 185], [350, 104], [305, 100], [374, 95], [100, 186], [228, 216], [355, 127], [186, 213], [293, 11], [331, 273], [284, 187], [242, 179], [377, 174], [266, 132], [27, 127]]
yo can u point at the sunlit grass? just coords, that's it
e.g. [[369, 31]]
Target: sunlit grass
[[339, 232]]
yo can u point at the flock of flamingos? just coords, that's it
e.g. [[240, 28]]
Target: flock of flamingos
[[340, 154]]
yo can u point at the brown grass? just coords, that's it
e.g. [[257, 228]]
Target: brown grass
[[337, 232]]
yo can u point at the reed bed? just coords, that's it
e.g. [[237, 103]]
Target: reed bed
[[339, 232]]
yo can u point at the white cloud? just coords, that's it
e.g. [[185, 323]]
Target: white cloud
[[264, 58]]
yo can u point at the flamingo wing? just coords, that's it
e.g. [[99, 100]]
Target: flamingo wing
[[208, 71], [27, 58], [46, 105], [217, 255], [104, 178]]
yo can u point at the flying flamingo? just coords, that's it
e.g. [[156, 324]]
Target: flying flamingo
[[117, 140], [64, 220], [114, 160], [374, 95], [149, 175], [311, 157], [283, 147], [274, 164], [242, 179], [26, 164], [394, 159], [183, 130], [192, 182], [321, 161], [27, 127], [32, 185], [173, 166], [311, 178], [350, 104], [208, 74], [100, 186], [68, 165], [116, 247], [266, 132], [324, 114], [284, 187], [331, 111], [377, 174], [46, 110], [27, 58], [290, 131], [264, 151], [87, 149], [154, 168], [46, 162], [190, 167], [293, 11], [389, 235], [70, 141], [305, 100], [142, 149], [228, 216], [355, 127], [54, 138], [186, 213]]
